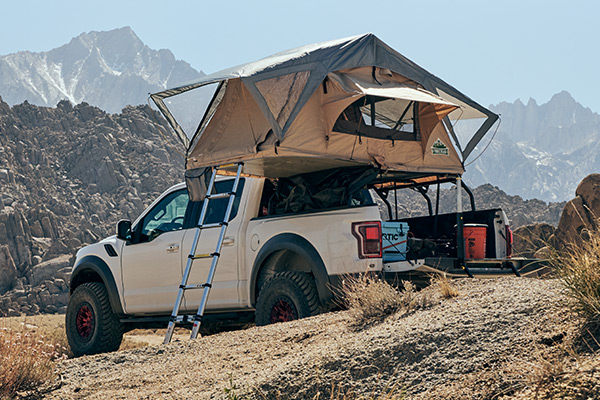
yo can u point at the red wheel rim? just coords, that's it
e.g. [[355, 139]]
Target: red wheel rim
[[84, 321], [283, 310]]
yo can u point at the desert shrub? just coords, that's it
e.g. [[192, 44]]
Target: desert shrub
[[578, 269], [444, 285], [29, 349], [26, 361], [370, 298]]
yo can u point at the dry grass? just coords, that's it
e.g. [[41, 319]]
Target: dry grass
[[562, 373], [444, 285], [27, 360], [370, 299], [578, 269], [29, 349], [572, 371]]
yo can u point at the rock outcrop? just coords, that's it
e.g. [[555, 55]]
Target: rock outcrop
[[580, 214], [8, 271], [44, 289], [579, 217], [67, 175], [528, 239]]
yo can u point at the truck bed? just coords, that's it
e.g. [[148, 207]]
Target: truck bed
[[442, 230], [443, 258]]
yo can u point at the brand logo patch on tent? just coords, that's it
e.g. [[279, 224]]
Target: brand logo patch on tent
[[439, 148]]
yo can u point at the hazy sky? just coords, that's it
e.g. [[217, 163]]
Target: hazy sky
[[491, 51]]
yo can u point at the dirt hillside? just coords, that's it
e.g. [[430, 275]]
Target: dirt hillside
[[484, 343]]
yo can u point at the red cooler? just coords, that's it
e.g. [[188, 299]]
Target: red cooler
[[475, 235]]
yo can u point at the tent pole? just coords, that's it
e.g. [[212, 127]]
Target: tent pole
[[372, 113], [437, 211], [396, 198], [460, 235]]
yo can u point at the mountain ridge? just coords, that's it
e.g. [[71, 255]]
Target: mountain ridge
[[109, 69], [552, 146]]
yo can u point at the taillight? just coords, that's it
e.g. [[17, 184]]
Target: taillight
[[509, 241], [368, 235]]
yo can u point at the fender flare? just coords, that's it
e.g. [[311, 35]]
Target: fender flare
[[100, 268], [302, 247]]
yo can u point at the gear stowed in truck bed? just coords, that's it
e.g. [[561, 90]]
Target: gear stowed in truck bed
[[340, 187]]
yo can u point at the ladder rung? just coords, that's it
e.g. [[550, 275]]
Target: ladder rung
[[183, 318], [198, 286], [227, 165], [219, 195], [201, 256], [215, 225]]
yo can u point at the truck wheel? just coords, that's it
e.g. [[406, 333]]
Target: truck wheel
[[91, 325], [286, 296]]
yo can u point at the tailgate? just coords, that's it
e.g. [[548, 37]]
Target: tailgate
[[481, 268]]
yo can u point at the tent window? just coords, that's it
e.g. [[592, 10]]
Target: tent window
[[282, 94], [189, 107], [380, 118]]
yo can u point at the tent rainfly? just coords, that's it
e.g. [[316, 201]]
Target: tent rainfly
[[347, 102]]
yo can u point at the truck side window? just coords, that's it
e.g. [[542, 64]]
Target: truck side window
[[166, 216], [267, 200]]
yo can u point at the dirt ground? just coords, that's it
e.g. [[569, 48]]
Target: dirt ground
[[494, 340]]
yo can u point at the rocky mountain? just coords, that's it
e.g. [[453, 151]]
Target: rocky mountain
[[67, 175], [106, 69], [551, 147]]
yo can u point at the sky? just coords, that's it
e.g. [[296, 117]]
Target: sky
[[491, 51]]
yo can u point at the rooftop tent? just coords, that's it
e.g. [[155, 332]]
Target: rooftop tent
[[348, 102]]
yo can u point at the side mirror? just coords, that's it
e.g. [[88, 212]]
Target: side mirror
[[124, 230]]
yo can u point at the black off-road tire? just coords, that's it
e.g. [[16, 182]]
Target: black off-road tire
[[90, 323], [287, 296]]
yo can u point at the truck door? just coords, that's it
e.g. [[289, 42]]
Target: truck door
[[224, 293], [151, 263]]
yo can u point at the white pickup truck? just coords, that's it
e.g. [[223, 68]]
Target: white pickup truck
[[286, 250], [282, 264]]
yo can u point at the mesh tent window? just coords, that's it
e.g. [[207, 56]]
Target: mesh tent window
[[380, 118]]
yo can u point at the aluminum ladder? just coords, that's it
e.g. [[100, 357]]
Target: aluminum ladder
[[197, 319]]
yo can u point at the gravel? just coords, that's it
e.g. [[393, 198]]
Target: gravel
[[427, 353]]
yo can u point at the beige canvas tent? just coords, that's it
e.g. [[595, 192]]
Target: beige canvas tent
[[349, 102]]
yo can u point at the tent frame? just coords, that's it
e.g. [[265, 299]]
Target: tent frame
[[319, 60]]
